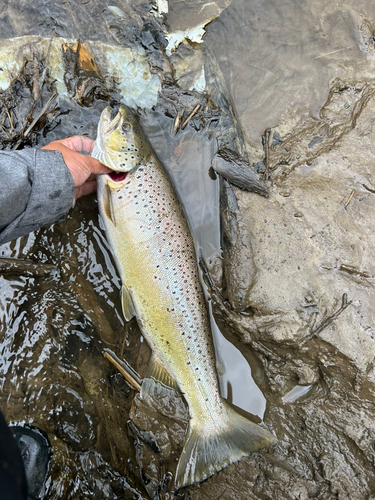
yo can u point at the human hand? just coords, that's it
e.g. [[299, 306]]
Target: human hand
[[82, 167]]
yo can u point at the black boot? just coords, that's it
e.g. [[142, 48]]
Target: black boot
[[35, 450], [12, 473]]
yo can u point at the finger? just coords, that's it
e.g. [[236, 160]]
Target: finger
[[91, 165], [86, 188], [79, 143], [71, 143], [93, 176], [54, 146]]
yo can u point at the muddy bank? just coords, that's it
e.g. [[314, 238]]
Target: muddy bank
[[312, 245]]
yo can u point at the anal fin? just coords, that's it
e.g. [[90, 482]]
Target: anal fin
[[156, 372]]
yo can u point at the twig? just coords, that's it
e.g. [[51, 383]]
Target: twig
[[25, 267], [40, 92], [124, 341], [131, 376], [266, 146], [41, 113], [7, 112], [9, 118], [369, 189], [145, 437], [36, 77], [46, 61], [176, 124], [348, 200], [125, 338], [327, 321], [197, 107]]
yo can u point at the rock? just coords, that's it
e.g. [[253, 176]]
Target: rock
[[236, 170]]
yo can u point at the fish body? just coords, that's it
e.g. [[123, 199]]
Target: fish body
[[155, 255]]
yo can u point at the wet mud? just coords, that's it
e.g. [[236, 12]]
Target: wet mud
[[28, 105], [290, 275], [82, 77]]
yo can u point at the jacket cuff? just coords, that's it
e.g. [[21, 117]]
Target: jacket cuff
[[51, 196]]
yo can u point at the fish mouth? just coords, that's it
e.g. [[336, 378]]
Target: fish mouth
[[111, 118], [118, 176]]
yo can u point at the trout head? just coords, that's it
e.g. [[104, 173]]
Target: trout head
[[120, 143], [123, 147]]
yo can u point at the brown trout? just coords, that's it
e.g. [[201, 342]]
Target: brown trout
[[155, 255]]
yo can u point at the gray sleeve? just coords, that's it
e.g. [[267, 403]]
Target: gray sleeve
[[36, 189]]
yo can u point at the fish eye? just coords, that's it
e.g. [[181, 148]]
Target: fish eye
[[126, 127]]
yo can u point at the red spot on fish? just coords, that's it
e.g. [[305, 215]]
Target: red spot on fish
[[118, 176]]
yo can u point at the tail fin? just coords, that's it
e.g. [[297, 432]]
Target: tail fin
[[206, 453]]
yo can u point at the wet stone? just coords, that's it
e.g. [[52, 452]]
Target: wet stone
[[158, 425], [236, 170], [124, 24]]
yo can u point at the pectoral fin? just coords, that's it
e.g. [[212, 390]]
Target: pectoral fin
[[156, 373], [108, 204], [127, 303]]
